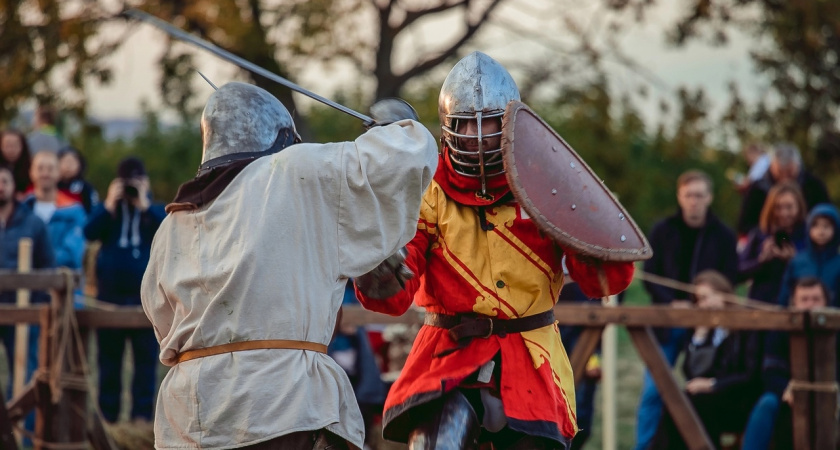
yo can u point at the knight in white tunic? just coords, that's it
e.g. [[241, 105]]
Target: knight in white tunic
[[248, 270]]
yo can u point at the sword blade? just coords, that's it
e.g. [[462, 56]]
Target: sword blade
[[243, 63], [208, 81]]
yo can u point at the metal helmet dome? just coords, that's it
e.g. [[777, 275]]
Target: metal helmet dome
[[242, 121], [477, 88]]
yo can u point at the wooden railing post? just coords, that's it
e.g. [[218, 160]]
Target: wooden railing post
[[585, 346], [682, 412], [44, 413], [800, 371], [824, 342], [21, 350]]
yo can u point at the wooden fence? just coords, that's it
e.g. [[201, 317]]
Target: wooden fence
[[59, 390]]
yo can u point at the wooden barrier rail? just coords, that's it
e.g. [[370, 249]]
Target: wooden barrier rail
[[813, 355]]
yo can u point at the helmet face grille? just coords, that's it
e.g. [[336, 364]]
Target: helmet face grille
[[473, 160]]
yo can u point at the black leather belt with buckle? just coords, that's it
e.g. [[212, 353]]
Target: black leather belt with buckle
[[464, 327]]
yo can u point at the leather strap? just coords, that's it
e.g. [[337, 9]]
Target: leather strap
[[250, 345], [464, 327]]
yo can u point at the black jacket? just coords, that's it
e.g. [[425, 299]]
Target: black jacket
[[812, 188], [714, 249], [125, 251], [735, 366]]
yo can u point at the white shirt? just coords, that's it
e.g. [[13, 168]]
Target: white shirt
[[269, 259], [44, 210]]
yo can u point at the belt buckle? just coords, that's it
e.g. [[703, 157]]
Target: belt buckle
[[489, 333]]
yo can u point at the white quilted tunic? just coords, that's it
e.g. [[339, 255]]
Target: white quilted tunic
[[268, 259]]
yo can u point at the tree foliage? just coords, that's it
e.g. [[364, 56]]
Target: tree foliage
[[286, 37], [39, 39], [797, 48], [171, 154]]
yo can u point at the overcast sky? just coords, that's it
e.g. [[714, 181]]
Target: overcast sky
[[136, 78]]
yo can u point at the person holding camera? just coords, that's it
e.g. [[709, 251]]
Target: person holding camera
[[125, 223], [779, 236]]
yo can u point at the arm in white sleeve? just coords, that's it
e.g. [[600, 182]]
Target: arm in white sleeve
[[385, 175]]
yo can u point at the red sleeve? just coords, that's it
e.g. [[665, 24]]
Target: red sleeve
[[588, 274], [398, 304]]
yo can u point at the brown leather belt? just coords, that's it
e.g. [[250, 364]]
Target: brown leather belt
[[464, 327], [249, 345]]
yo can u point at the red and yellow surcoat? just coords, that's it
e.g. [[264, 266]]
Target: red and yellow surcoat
[[511, 270]]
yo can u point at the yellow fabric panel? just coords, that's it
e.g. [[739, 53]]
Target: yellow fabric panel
[[530, 285], [544, 344]]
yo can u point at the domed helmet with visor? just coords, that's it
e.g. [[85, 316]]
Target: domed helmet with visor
[[471, 104]]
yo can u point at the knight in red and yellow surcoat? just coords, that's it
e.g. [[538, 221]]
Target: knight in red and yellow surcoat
[[478, 259]]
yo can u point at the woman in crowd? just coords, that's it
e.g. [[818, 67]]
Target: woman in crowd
[[721, 369], [777, 239], [71, 165], [14, 153]]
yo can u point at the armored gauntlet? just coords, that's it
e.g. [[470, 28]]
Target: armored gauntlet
[[386, 279]]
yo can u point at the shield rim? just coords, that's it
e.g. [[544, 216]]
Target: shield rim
[[563, 238]]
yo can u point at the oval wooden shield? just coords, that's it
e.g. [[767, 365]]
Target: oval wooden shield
[[562, 195]]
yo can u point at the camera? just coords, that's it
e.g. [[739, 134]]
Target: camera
[[129, 190], [781, 238]]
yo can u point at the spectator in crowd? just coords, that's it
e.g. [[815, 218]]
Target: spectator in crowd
[[755, 153], [125, 223], [352, 350], [820, 258], [685, 244], [721, 370], [64, 216], [770, 417], [770, 246], [14, 153], [19, 222], [785, 165], [71, 167], [44, 135]]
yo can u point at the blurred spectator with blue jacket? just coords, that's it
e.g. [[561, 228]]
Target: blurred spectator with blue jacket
[[17, 222], [819, 258], [64, 216], [125, 223]]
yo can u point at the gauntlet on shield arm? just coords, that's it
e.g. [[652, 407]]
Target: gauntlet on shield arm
[[386, 279]]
